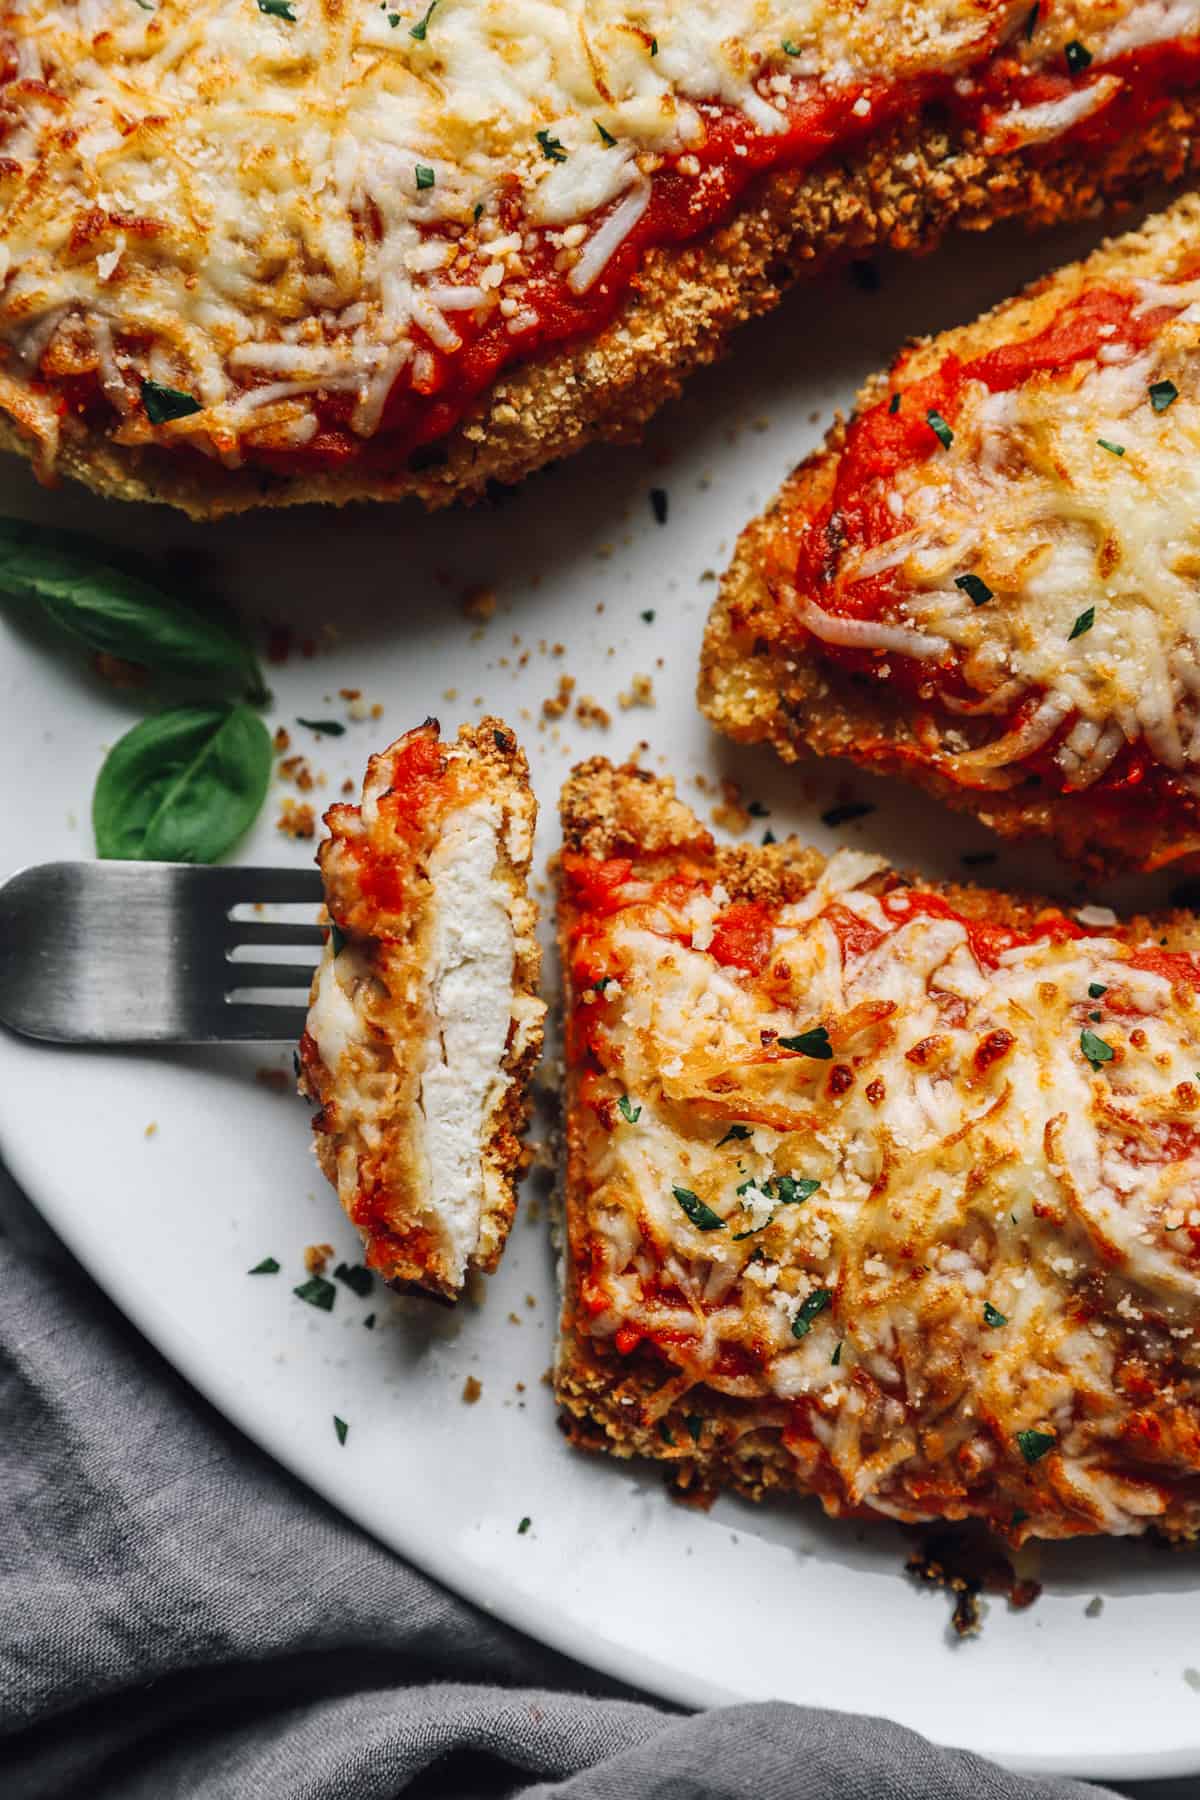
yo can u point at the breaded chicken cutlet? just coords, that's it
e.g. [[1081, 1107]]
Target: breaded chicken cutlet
[[424, 1024], [265, 255], [988, 580], [878, 1191]]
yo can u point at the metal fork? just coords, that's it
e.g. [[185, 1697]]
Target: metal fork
[[144, 953]]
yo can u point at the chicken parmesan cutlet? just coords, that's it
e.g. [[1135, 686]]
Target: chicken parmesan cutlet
[[266, 253], [424, 1023], [988, 580], [878, 1191]]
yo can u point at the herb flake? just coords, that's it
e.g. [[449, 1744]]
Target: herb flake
[[737, 1133], [1162, 394], [815, 1303], [1083, 623], [359, 1280], [277, 9], [326, 727], [703, 1217], [162, 404], [848, 811], [1078, 56], [939, 428], [809, 1043], [975, 588], [552, 149], [1113, 449], [1095, 1049], [425, 176], [1096, 989], [318, 1292], [606, 137], [1033, 1445], [993, 1316], [419, 30], [628, 1111], [268, 1266], [523, 1527], [342, 1429], [659, 504]]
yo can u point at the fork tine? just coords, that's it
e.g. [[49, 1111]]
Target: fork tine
[[274, 887], [244, 975], [252, 1023], [256, 932]]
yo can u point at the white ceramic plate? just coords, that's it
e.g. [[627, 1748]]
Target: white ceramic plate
[[738, 1604]]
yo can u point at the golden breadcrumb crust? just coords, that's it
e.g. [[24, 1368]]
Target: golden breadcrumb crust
[[498, 765], [748, 693], [710, 1440], [905, 192]]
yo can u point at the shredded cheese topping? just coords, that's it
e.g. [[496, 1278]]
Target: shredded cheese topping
[[816, 1186], [261, 207]]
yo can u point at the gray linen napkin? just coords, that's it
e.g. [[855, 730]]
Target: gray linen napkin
[[178, 1617]]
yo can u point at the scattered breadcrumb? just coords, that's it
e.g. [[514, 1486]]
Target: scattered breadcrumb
[[640, 692], [316, 1256], [557, 704], [730, 814], [296, 769], [281, 740], [472, 1388], [296, 819], [590, 712], [151, 1128]]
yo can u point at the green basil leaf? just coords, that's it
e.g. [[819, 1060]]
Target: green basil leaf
[[703, 1217], [76, 581], [182, 786]]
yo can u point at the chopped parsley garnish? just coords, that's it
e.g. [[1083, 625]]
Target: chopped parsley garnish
[[268, 1266], [654, 46], [842, 815], [393, 20], [894, 404], [658, 504], [369, 1322], [478, 213], [1031, 19], [649, 616], [552, 150], [793, 1189], [993, 1316], [145, 5], [1095, 1048], [162, 404], [422, 26], [939, 428], [628, 1111], [790, 49], [1162, 393], [277, 9], [735, 1131], [975, 588], [425, 176], [665, 1433], [1095, 1017], [1078, 56], [1113, 449], [816, 1303], [317, 1292], [702, 1217], [1083, 623], [360, 1281], [809, 1043], [768, 836], [836, 1358], [337, 938], [523, 1527], [1033, 1445], [695, 1425], [757, 810], [1096, 989], [341, 1427], [326, 727], [606, 137]]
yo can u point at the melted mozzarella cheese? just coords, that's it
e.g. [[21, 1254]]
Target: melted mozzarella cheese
[[1078, 504], [205, 194], [471, 1008], [969, 1152]]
